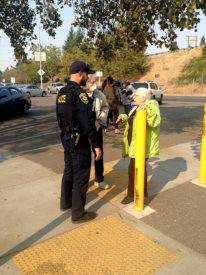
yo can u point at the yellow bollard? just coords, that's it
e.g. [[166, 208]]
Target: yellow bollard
[[202, 175], [140, 145]]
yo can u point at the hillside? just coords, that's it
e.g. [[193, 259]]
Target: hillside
[[168, 66]]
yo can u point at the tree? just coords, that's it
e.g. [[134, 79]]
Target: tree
[[128, 22], [74, 39], [52, 65], [204, 51], [134, 22], [76, 54], [30, 72], [174, 46], [202, 41], [127, 63], [17, 20]]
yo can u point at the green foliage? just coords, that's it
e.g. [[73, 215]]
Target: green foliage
[[69, 58], [28, 71], [174, 46], [74, 39], [193, 70], [18, 20], [110, 25], [204, 51], [202, 41], [126, 63], [52, 65]]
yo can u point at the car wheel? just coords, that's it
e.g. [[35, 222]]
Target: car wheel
[[43, 93], [25, 109], [160, 102]]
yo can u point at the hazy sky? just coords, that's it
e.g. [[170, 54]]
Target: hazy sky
[[7, 58]]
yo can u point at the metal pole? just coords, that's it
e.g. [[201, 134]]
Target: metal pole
[[202, 82], [193, 84], [40, 58], [202, 175], [140, 145]]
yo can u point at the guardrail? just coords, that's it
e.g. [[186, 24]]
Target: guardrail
[[180, 50]]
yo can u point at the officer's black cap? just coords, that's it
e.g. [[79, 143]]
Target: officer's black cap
[[80, 66]]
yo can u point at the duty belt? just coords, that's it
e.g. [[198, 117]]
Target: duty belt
[[68, 129], [74, 134]]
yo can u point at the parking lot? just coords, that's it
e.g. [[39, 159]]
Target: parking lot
[[31, 164], [36, 135]]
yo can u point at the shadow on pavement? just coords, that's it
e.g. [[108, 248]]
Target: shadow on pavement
[[33, 238]]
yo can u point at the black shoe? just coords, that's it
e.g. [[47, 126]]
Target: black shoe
[[65, 208], [127, 200], [87, 216]]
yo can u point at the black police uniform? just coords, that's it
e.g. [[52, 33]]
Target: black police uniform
[[74, 115]]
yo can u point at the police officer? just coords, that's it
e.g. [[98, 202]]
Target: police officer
[[74, 115]]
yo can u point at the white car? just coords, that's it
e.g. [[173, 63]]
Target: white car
[[155, 91], [32, 90], [55, 87]]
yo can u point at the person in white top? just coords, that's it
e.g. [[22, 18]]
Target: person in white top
[[100, 108]]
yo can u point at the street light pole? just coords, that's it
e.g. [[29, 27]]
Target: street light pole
[[40, 58]]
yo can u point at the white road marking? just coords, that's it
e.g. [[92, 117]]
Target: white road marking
[[37, 149], [38, 120], [15, 130], [27, 138]]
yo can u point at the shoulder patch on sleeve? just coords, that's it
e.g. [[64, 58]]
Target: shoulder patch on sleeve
[[83, 98]]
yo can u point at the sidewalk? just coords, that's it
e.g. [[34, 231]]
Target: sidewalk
[[168, 237]]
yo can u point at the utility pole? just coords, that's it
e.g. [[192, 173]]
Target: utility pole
[[40, 58]]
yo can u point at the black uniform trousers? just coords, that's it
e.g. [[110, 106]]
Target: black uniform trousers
[[99, 164], [76, 175]]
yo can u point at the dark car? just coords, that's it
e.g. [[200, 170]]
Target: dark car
[[12, 100]]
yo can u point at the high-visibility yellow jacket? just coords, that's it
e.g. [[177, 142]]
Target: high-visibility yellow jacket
[[152, 131]]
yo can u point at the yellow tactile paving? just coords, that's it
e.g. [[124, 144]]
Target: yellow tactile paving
[[105, 246], [118, 180]]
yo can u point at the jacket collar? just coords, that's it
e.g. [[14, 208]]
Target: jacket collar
[[132, 111]]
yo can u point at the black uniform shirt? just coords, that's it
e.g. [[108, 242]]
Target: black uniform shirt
[[83, 111]]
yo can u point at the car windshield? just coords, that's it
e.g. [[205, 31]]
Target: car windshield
[[59, 84], [137, 85], [21, 86]]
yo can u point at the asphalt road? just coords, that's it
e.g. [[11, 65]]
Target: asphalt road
[[36, 135]]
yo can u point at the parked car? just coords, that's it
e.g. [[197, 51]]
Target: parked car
[[12, 100], [32, 90], [55, 88], [155, 91], [118, 83]]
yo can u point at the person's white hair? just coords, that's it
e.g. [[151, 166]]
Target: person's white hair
[[91, 78], [143, 92]]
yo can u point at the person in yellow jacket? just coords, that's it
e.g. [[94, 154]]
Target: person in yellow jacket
[[142, 101]]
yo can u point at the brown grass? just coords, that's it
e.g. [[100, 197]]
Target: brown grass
[[169, 66]]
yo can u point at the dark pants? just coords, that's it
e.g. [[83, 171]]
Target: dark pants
[[130, 190], [127, 109], [113, 114], [99, 165], [76, 176]]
